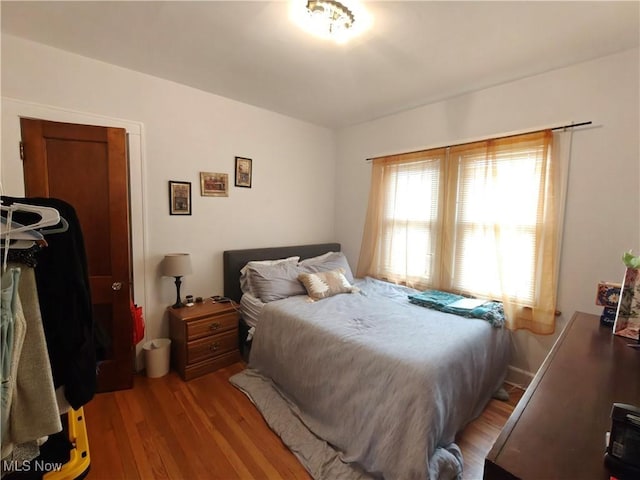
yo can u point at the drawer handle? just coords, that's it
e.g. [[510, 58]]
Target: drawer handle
[[214, 346], [214, 326]]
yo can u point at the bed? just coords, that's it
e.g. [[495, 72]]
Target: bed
[[234, 261], [365, 384]]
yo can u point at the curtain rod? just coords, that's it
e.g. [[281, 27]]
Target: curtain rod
[[561, 127]]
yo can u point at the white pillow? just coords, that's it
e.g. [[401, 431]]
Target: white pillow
[[329, 261], [245, 273], [275, 282], [316, 260]]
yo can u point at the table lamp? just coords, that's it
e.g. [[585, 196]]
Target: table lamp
[[177, 265]]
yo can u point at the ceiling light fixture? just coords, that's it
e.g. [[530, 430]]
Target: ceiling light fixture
[[335, 20], [330, 15]]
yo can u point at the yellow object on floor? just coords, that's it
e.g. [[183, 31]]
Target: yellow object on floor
[[79, 460]]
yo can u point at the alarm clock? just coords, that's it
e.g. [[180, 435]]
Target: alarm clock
[[623, 451]]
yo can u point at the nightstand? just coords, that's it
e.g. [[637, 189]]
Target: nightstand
[[204, 337]]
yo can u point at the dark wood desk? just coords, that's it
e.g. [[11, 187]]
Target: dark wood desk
[[557, 430]]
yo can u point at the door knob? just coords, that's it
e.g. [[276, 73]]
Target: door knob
[[116, 286]]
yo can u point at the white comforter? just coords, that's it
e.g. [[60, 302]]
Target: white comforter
[[385, 382]]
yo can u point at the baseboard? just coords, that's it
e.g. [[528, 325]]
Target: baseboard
[[518, 377]]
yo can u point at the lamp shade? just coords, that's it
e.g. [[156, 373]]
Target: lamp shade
[[176, 265]]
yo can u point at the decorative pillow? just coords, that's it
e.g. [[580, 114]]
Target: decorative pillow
[[275, 282], [329, 261], [321, 285], [245, 275]]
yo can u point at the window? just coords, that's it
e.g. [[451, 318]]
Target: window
[[499, 210], [477, 219], [411, 220]]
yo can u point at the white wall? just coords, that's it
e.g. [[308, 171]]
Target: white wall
[[185, 131], [603, 203]]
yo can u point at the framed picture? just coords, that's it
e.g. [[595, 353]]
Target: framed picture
[[214, 184], [179, 198], [243, 172]]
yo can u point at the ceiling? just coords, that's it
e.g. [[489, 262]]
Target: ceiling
[[415, 53]]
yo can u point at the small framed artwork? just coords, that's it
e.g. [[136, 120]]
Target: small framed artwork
[[214, 184], [243, 172], [179, 198]]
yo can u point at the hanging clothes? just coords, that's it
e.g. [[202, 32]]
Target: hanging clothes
[[65, 303], [32, 411], [12, 330], [28, 257]]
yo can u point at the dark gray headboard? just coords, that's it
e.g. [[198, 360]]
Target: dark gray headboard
[[234, 260]]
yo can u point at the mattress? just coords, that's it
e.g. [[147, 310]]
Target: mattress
[[250, 308]]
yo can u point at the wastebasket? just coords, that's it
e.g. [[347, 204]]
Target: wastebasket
[[156, 357]]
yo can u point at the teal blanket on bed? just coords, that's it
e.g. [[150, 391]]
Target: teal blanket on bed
[[492, 312]]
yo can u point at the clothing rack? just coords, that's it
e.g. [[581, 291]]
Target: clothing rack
[[73, 437]]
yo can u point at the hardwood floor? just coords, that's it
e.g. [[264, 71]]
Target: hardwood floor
[[165, 428], [477, 438]]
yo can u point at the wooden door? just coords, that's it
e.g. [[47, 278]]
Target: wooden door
[[86, 166]]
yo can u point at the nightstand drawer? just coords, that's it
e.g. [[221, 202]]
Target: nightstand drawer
[[211, 346], [211, 325]]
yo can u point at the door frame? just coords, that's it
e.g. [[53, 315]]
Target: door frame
[[12, 176]]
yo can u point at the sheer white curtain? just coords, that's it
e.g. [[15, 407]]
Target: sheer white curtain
[[403, 224], [483, 219]]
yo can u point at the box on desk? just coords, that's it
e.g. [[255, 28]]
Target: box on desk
[[608, 296]]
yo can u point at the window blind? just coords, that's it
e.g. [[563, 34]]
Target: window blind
[[411, 219], [499, 208]]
